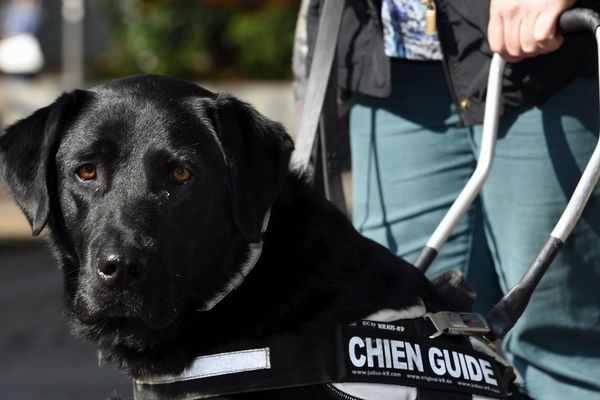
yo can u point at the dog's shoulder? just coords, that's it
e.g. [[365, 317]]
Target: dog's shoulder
[[319, 244]]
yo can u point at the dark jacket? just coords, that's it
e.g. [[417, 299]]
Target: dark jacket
[[364, 68]]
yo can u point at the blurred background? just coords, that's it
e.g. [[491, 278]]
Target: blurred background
[[51, 46]]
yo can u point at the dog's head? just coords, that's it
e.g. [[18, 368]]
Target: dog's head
[[152, 188]]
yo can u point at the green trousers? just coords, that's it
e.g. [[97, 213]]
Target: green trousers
[[410, 161]]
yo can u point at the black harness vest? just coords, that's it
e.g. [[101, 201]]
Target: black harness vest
[[401, 353]]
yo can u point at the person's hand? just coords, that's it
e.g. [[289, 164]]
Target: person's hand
[[525, 28]]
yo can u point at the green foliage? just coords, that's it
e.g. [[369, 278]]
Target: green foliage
[[263, 41], [200, 38]]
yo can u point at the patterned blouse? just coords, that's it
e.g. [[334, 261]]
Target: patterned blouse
[[404, 31]]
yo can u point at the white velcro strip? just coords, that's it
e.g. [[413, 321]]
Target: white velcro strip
[[217, 364]]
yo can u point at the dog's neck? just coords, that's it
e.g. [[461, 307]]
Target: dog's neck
[[254, 252]]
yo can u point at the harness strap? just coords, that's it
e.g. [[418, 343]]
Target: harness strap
[[314, 152], [399, 353]]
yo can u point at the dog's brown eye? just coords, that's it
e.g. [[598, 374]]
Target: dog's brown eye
[[87, 172], [181, 175]]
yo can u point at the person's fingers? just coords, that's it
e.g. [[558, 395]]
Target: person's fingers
[[529, 45], [503, 29], [519, 29], [544, 31], [512, 37], [496, 33]]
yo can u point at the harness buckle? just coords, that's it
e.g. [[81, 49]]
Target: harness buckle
[[456, 323]]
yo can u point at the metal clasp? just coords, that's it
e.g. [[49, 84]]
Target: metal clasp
[[455, 323]]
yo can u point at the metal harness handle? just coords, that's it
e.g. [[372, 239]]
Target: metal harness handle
[[507, 311]]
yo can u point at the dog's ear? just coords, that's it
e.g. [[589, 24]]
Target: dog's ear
[[27, 151], [257, 152]]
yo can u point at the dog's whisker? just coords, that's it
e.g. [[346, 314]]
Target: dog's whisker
[[71, 273], [100, 331]]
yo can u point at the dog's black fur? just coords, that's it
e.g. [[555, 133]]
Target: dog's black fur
[[180, 243]]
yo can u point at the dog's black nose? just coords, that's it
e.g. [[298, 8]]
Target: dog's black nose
[[121, 267]]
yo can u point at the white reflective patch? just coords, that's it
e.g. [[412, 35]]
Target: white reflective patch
[[388, 314], [217, 364]]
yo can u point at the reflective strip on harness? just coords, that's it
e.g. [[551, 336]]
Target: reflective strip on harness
[[397, 353], [218, 364]]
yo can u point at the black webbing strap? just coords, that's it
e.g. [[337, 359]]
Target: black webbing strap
[[293, 360], [398, 353], [319, 109]]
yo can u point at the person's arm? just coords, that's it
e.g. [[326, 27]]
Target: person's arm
[[525, 28]]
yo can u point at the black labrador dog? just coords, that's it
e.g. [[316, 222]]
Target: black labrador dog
[[154, 191]]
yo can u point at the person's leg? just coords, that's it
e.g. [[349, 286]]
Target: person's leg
[[539, 158], [409, 162]]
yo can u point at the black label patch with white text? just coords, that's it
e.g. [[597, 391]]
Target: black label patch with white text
[[381, 353]]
